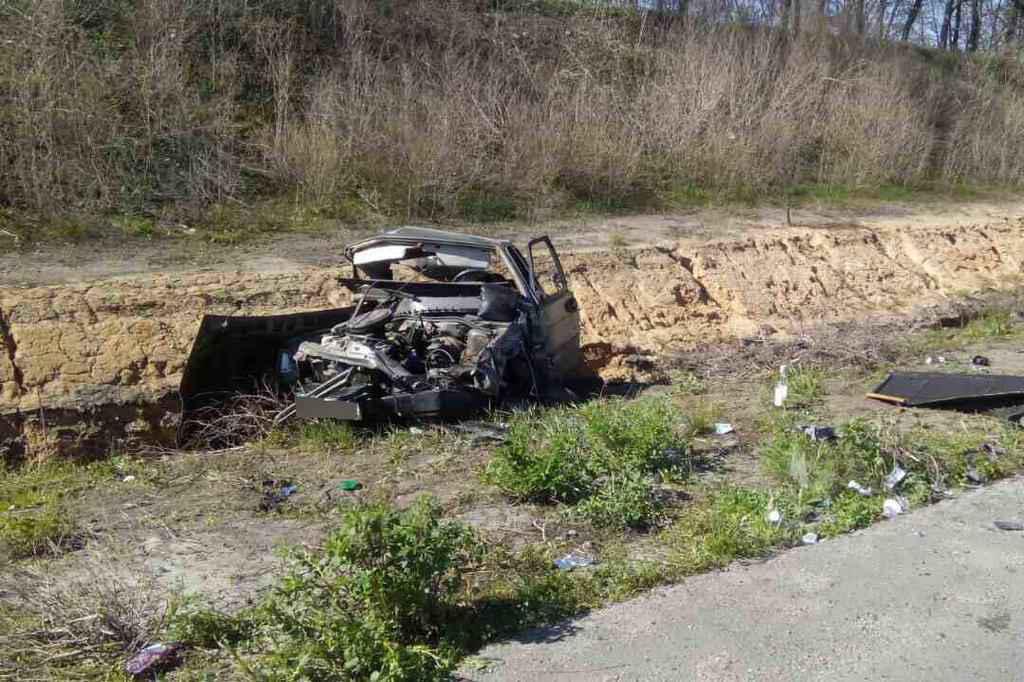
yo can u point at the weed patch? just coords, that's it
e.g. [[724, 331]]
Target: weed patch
[[34, 518], [599, 457], [733, 524], [372, 604], [327, 436]]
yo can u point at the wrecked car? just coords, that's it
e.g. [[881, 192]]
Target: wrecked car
[[442, 325]]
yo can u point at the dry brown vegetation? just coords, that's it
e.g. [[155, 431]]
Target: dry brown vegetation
[[435, 108]]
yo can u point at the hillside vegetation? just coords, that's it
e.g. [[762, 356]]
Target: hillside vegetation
[[174, 110]]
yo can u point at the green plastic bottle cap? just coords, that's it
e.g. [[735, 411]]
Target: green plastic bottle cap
[[350, 485]]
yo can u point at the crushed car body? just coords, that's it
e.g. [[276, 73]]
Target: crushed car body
[[442, 325]]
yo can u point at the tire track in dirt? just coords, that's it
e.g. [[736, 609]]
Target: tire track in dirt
[[125, 341]]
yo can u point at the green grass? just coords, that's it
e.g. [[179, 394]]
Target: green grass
[[599, 458], [685, 382], [34, 514], [993, 324], [327, 436], [483, 207], [732, 524]]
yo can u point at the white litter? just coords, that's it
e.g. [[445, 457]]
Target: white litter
[[859, 489], [774, 517], [894, 506], [895, 477], [810, 538], [723, 428]]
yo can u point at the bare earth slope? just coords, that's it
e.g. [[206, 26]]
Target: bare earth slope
[[127, 339]]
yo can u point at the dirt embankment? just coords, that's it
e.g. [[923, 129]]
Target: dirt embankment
[[125, 341]]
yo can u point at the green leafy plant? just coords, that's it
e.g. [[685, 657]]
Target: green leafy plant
[[373, 603], [600, 456]]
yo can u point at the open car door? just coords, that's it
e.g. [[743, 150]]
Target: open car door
[[560, 313]]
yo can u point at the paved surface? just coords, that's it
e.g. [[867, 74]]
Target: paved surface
[[937, 594]]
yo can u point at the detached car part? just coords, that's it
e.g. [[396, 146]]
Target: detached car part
[[443, 325]]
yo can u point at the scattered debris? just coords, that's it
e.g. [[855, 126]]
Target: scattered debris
[[416, 431], [275, 492], [810, 539], [895, 477], [723, 428], [483, 431], [981, 361], [819, 432], [574, 560], [992, 451], [976, 476], [894, 506], [859, 489], [964, 392], [939, 360], [350, 485], [128, 479], [774, 517], [1009, 525], [155, 658]]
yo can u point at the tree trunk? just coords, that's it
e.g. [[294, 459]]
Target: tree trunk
[[955, 40], [859, 17], [947, 21], [787, 6], [974, 36], [1013, 13], [797, 13], [915, 9]]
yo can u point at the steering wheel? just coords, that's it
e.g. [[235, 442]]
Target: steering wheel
[[476, 275]]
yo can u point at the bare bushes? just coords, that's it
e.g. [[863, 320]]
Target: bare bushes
[[78, 618], [440, 109], [98, 120], [986, 140]]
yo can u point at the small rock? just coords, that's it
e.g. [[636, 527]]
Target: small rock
[[810, 538], [980, 361], [1009, 525]]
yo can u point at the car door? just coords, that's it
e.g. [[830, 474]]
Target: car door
[[559, 311]]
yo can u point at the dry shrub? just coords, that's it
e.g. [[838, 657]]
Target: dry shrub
[[986, 140], [876, 128], [425, 107], [93, 610]]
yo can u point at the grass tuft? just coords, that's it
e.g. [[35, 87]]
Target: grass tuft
[[732, 525], [600, 456]]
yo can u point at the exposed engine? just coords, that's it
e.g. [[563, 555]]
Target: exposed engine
[[405, 344]]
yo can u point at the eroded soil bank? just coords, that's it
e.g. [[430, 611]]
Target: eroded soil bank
[[68, 349]]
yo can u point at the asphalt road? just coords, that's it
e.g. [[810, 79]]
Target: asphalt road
[[937, 594]]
